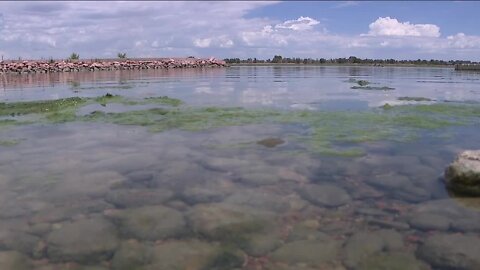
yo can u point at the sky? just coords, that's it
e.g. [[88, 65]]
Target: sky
[[445, 30]]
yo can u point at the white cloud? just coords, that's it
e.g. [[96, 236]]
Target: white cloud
[[300, 24], [202, 29], [218, 42], [386, 26], [283, 34], [463, 41], [345, 4], [202, 43]]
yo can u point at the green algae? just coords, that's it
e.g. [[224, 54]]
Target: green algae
[[418, 99], [381, 88], [164, 100], [37, 107], [9, 142], [7, 123], [65, 110], [329, 131], [338, 133]]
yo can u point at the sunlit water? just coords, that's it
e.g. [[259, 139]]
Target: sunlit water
[[105, 196]]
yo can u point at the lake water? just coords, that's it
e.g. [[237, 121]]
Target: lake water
[[292, 167]]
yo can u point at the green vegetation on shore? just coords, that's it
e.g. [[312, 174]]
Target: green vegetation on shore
[[328, 134], [278, 59]]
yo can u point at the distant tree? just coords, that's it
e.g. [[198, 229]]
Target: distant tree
[[74, 56], [122, 55], [277, 59]]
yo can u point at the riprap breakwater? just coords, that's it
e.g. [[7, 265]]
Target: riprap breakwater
[[36, 66]]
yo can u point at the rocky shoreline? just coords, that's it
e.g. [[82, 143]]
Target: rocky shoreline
[[51, 66]]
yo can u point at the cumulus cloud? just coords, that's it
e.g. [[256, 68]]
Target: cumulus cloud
[[204, 29], [44, 29], [283, 34], [202, 42], [345, 4], [300, 24], [463, 41], [386, 26], [219, 42]]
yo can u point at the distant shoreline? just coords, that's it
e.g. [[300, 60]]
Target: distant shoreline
[[341, 65]]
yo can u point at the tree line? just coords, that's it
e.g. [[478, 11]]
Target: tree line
[[278, 59]]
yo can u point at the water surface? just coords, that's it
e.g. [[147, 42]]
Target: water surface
[[120, 193]]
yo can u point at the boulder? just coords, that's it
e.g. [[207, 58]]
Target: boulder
[[463, 175]]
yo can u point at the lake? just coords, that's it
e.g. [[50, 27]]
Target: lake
[[271, 167]]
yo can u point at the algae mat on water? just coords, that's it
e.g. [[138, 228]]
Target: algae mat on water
[[329, 131]]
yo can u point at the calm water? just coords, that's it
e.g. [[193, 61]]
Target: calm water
[[90, 195]]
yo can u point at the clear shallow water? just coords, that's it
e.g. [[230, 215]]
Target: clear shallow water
[[87, 194]]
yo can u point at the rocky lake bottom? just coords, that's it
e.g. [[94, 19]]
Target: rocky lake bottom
[[114, 182]]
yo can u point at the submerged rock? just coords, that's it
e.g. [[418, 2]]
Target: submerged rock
[[308, 252], [451, 251], [214, 190], [259, 178], [12, 260], [19, 241], [140, 179], [262, 243], [268, 201], [193, 255], [271, 142], [306, 230], [230, 223], [126, 198], [392, 261], [463, 175], [399, 186], [149, 222], [94, 184], [444, 215], [362, 245], [87, 240], [131, 255], [325, 195]]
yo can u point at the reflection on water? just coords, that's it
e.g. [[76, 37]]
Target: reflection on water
[[250, 86], [103, 196]]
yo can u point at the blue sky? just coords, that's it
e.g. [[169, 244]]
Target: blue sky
[[389, 29], [353, 17]]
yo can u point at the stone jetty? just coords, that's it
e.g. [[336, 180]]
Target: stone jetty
[[51, 66]]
